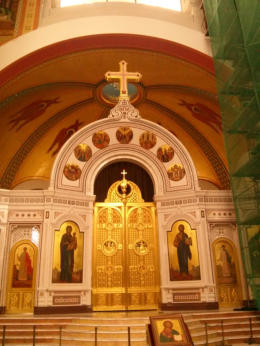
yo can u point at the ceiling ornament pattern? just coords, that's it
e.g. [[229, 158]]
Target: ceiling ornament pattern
[[186, 90], [32, 140], [204, 114], [63, 135], [24, 150], [29, 90], [207, 148], [40, 76], [28, 113], [117, 41]]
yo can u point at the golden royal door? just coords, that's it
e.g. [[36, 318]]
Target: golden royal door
[[125, 254]]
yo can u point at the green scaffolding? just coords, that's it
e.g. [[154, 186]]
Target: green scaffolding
[[234, 29]]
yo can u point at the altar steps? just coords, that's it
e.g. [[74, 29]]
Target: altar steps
[[113, 331], [229, 328], [74, 332]]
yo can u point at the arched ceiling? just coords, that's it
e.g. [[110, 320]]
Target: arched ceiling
[[50, 94]]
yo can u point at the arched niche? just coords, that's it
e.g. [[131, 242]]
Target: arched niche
[[227, 273], [22, 272]]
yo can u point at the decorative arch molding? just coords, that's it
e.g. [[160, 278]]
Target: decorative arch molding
[[178, 215], [32, 54], [23, 232], [224, 239], [69, 215], [226, 230], [116, 151]]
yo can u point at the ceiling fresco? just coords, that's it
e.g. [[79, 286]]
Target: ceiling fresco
[[42, 104]]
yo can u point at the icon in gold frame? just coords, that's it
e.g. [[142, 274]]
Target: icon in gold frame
[[169, 330]]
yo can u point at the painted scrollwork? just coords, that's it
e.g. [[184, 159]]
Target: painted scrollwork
[[124, 110]]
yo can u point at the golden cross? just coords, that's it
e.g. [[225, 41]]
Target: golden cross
[[123, 75], [124, 174], [124, 183]]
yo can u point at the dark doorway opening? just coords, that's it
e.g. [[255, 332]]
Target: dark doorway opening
[[112, 173]]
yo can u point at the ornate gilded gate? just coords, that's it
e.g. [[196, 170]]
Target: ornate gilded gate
[[125, 255]]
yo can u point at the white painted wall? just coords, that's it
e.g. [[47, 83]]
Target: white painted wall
[[58, 24]]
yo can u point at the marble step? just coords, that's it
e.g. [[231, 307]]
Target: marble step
[[75, 339], [243, 341], [76, 328], [236, 327], [19, 327], [112, 321], [80, 331], [223, 315], [230, 333], [56, 342], [218, 341], [32, 321], [75, 334], [226, 326], [112, 330], [229, 320], [88, 335], [89, 321]]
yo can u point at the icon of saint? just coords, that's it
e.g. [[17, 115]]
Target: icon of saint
[[182, 242], [169, 334], [226, 261], [25, 267], [67, 246]]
